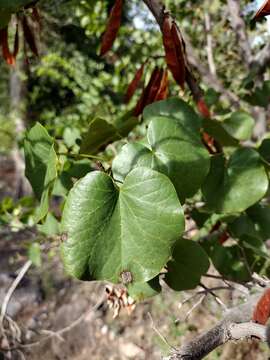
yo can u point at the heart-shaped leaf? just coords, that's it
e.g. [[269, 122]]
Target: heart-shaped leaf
[[101, 133], [40, 165], [121, 234], [173, 150], [189, 263], [260, 215], [234, 186], [174, 108], [264, 150], [215, 129], [239, 125]]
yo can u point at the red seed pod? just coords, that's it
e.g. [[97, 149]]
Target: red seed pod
[[180, 53], [164, 87], [112, 27], [16, 42], [262, 310], [7, 55], [134, 83], [29, 36], [263, 11], [203, 108], [148, 94]]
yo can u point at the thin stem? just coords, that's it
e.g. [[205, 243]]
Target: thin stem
[[76, 156]]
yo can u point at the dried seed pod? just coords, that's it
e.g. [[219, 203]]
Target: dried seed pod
[[262, 310], [7, 55], [264, 10], [112, 27], [134, 83], [29, 36]]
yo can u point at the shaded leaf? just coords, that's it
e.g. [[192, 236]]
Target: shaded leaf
[[239, 125], [264, 150], [215, 129], [41, 162], [189, 262], [100, 133], [260, 215], [229, 262], [112, 27], [237, 185]]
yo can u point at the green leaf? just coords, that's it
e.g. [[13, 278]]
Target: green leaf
[[99, 134], [174, 108], [121, 233], [50, 226], [215, 129], [189, 263], [144, 290], [240, 125], [264, 150], [260, 215], [242, 225], [70, 136], [5, 17], [173, 150], [234, 186], [126, 123], [230, 263], [40, 165], [34, 254], [13, 5], [256, 246]]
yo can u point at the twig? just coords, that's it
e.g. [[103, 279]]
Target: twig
[[218, 300], [195, 306], [209, 44], [12, 288], [159, 333]]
